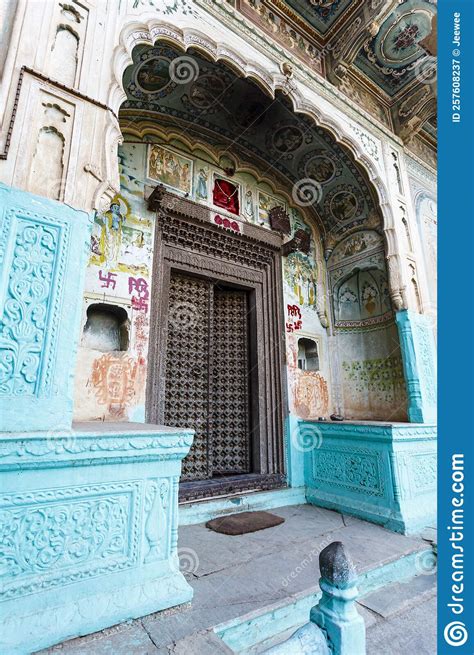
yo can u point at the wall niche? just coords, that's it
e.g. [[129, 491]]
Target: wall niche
[[107, 328], [308, 354], [64, 56]]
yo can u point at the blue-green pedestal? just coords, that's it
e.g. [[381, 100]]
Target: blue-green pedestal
[[43, 250], [381, 472], [88, 530]]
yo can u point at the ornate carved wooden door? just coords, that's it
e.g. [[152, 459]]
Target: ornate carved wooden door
[[207, 367]]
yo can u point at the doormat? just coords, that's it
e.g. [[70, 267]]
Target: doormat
[[244, 522]]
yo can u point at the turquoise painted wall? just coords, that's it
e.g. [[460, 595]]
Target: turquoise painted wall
[[89, 513]]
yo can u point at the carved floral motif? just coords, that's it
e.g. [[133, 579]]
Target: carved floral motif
[[156, 504], [64, 537], [25, 313], [424, 471], [357, 471]]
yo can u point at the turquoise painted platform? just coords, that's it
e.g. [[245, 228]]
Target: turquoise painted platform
[[381, 472], [89, 529]]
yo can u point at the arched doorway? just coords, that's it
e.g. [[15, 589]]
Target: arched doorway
[[263, 228]]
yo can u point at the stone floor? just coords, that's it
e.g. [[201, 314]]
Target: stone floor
[[234, 575]]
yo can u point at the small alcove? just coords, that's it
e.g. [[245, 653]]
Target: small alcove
[[308, 354], [106, 328]]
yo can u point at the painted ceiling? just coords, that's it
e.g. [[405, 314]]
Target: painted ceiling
[[378, 52], [391, 57], [394, 57], [222, 109], [320, 14]]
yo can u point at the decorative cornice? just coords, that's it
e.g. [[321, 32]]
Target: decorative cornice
[[70, 448], [375, 431], [419, 169]]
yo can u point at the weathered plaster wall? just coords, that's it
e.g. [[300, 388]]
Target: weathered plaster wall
[[110, 383], [366, 352], [67, 116], [423, 195]]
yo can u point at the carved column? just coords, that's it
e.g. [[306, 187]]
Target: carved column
[[43, 261], [419, 358]]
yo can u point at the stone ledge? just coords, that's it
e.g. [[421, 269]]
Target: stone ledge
[[385, 473], [93, 443]]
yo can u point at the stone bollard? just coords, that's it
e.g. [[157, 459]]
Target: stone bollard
[[336, 612], [335, 627]]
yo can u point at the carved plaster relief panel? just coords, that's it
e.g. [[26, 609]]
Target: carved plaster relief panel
[[414, 287], [8, 9], [69, 533], [67, 38], [46, 165]]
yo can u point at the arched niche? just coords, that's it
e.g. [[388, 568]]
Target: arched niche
[[106, 329], [426, 216], [367, 360]]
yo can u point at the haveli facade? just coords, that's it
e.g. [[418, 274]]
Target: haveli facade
[[218, 217]]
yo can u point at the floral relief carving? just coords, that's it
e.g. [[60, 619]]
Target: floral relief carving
[[356, 471], [25, 313], [69, 540], [156, 504], [424, 471], [155, 448], [427, 358]]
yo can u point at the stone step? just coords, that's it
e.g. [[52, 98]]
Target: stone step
[[409, 625], [256, 631], [254, 587], [395, 598]]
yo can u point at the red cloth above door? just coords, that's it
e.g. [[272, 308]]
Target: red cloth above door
[[226, 195]]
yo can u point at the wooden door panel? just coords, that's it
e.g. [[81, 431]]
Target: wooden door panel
[[229, 413], [187, 368]]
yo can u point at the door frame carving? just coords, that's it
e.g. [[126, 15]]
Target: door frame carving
[[188, 240]]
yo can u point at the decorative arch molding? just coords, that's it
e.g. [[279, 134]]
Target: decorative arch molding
[[420, 195], [149, 30]]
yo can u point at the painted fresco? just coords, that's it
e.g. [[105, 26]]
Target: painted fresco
[[110, 385], [120, 241], [359, 282], [170, 168], [202, 182], [367, 358], [113, 383], [309, 392], [301, 270]]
